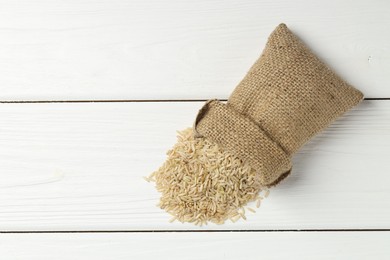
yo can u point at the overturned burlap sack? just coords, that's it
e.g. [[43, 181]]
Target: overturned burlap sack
[[287, 97]]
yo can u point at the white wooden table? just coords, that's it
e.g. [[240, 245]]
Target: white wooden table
[[92, 93]]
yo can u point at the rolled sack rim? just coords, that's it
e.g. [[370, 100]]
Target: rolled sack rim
[[262, 153]]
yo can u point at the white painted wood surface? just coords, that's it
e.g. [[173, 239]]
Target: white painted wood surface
[[79, 166], [121, 246], [82, 49]]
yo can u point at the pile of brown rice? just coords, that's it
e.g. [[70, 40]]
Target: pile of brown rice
[[200, 182]]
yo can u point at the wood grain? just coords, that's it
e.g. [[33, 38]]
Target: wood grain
[[80, 167], [92, 50], [286, 245]]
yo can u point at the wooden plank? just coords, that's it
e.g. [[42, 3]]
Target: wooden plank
[[80, 167], [81, 49], [285, 245]]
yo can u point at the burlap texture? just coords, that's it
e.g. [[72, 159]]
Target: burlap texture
[[287, 97]]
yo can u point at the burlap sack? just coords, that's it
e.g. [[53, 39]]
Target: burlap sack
[[287, 97]]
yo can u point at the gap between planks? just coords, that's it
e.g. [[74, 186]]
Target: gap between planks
[[123, 101], [194, 231]]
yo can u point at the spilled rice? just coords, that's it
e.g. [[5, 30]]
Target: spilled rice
[[199, 182]]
